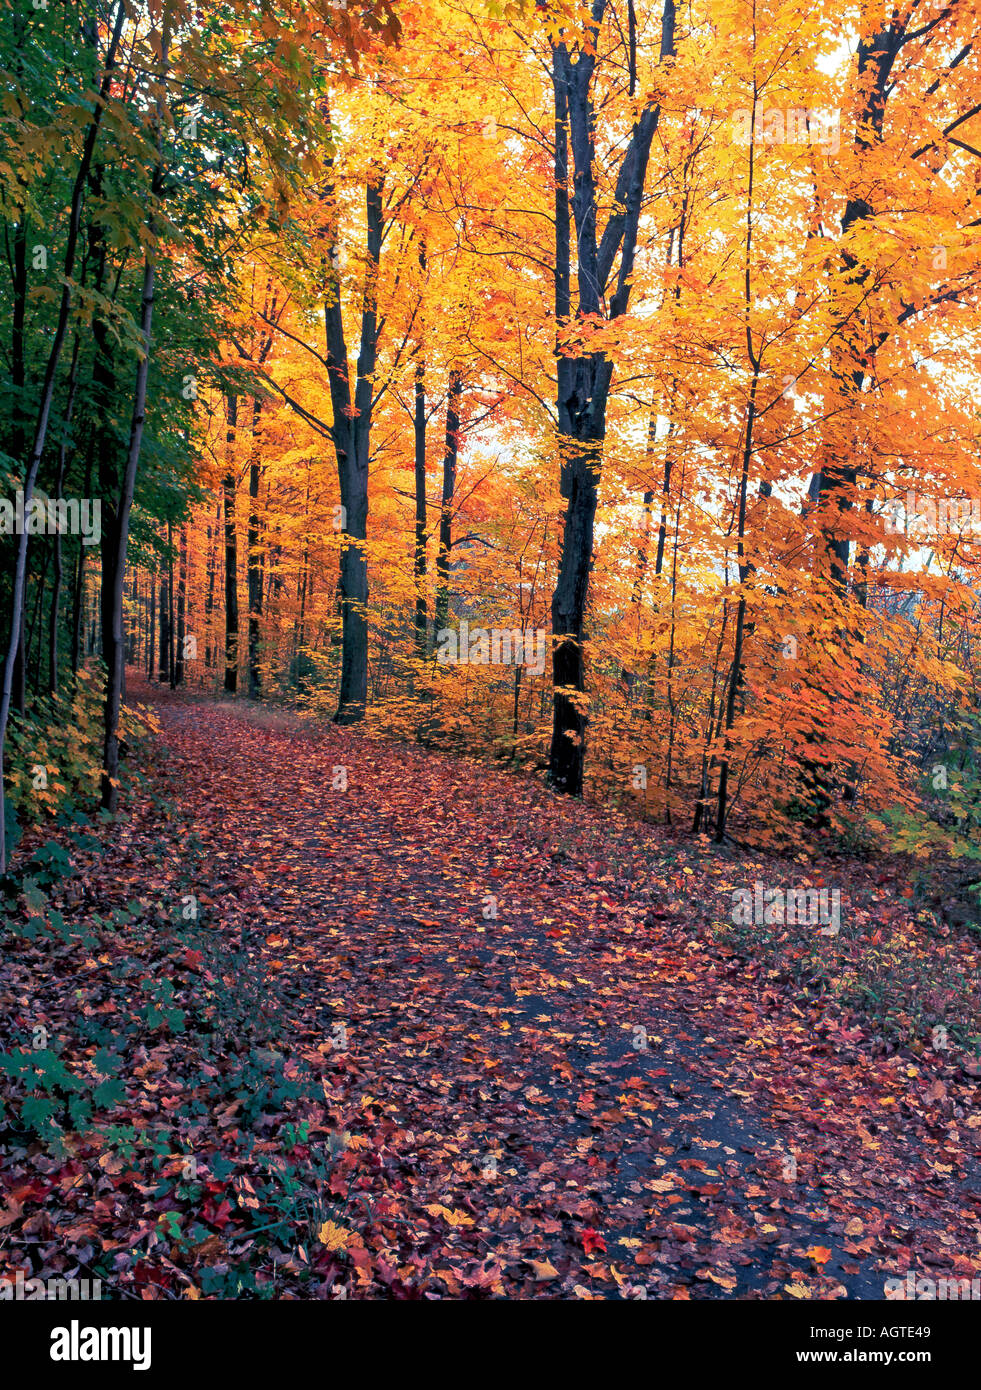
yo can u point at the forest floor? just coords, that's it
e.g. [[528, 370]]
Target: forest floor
[[421, 1029]]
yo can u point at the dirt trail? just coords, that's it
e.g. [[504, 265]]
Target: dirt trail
[[551, 1080]]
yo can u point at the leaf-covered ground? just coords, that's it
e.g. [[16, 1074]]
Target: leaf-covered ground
[[330, 1017]]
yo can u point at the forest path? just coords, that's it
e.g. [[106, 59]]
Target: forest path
[[579, 1092]]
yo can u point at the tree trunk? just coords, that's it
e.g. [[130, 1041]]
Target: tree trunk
[[231, 556], [584, 378], [181, 610], [419, 567], [209, 598], [36, 625], [255, 557], [450, 456], [151, 627], [115, 654], [351, 432], [163, 674], [19, 685], [171, 653]]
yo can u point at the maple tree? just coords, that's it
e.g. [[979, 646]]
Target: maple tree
[[586, 388]]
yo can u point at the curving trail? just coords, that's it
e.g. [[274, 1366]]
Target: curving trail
[[550, 1082]]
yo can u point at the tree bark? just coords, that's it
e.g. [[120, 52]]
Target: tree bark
[[231, 555], [115, 655], [151, 629], [451, 453], [181, 610], [172, 610], [351, 433], [163, 673], [584, 378], [419, 567], [255, 557]]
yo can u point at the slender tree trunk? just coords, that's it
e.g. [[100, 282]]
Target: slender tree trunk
[[735, 674], [19, 690], [114, 656], [255, 557], [171, 609], [419, 567], [36, 625], [181, 609], [708, 761], [77, 606], [451, 453], [209, 599], [300, 635], [231, 556], [151, 627], [163, 674], [132, 626]]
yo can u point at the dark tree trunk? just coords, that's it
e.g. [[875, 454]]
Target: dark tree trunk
[[78, 596], [115, 652], [419, 567], [77, 605], [133, 626], [163, 674], [584, 380], [209, 598], [231, 556], [351, 434], [255, 557], [179, 657], [151, 627], [301, 636], [104, 392], [451, 454], [35, 629], [171, 609], [736, 672], [19, 688]]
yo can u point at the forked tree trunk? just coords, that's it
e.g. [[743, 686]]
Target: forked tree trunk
[[584, 378], [351, 433]]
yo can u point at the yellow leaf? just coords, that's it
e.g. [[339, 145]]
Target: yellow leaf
[[334, 1237], [452, 1218]]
